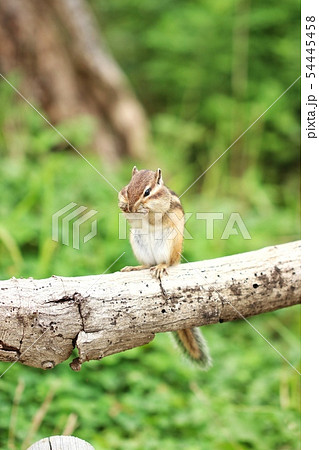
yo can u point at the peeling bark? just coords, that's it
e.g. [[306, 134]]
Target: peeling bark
[[44, 320]]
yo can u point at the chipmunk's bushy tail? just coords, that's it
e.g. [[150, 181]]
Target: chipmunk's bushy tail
[[193, 345]]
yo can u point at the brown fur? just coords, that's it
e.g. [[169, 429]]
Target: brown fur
[[138, 183], [189, 342]]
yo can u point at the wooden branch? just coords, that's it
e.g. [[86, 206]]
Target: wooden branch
[[43, 320]]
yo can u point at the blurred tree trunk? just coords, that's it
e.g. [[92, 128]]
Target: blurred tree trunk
[[66, 70], [240, 62]]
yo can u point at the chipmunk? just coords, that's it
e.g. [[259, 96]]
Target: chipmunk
[[156, 218]]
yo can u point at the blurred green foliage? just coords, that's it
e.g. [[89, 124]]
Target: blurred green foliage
[[204, 72]]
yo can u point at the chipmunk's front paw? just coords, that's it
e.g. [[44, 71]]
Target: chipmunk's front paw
[[159, 270], [132, 268]]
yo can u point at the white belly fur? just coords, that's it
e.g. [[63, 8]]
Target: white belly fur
[[153, 247]]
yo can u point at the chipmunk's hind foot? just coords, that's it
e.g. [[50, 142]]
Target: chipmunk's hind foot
[[159, 270]]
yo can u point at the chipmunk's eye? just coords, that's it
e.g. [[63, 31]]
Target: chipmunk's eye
[[147, 192]]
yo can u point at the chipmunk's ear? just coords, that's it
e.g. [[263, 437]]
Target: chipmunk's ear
[[159, 179], [134, 170]]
